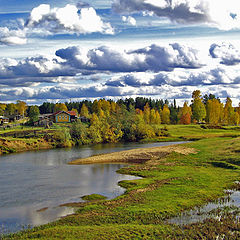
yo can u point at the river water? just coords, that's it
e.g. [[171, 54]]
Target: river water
[[37, 180]]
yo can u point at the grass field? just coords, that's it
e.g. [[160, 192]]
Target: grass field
[[171, 183]]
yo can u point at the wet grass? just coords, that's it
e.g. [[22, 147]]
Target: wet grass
[[93, 197], [171, 184]]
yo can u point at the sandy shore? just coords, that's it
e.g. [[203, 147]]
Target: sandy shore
[[139, 155]]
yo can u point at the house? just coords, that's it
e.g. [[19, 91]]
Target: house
[[44, 121], [3, 120], [73, 115], [61, 117]]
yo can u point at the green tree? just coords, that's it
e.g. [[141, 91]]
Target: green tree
[[198, 107], [21, 107], [79, 133], [33, 114], [10, 109]]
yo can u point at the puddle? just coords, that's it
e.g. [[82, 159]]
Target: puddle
[[211, 210]]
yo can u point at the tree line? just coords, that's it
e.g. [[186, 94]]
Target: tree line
[[207, 108], [131, 119]]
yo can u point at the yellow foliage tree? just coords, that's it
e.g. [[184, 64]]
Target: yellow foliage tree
[[147, 113], [60, 107], [214, 111], [228, 112], [21, 108], [84, 111], [165, 114]]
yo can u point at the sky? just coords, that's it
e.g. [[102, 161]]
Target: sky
[[71, 50]]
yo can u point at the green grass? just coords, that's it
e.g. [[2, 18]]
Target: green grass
[[93, 197], [173, 185]]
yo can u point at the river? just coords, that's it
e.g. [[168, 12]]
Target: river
[[31, 181]]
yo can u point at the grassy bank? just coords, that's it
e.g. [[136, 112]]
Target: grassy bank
[[25, 138], [173, 181]]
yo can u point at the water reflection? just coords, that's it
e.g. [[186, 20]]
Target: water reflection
[[34, 180], [211, 209]]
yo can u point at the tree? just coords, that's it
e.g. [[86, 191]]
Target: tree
[[60, 107], [208, 97], [165, 116], [236, 118], [185, 114], [10, 109], [158, 118], [33, 114], [228, 112], [21, 107], [147, 113], [2, 108], [198, 108], [214, 111], [84, 111], [75, 110]]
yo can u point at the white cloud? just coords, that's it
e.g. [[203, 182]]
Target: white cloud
[[129, 20], [152, 58], [68, 19], [224, 14], [226, 52], [12, 37]]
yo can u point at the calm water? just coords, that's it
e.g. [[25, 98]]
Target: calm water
[[32, 181]]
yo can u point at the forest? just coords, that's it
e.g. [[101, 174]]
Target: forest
[[131, 119]]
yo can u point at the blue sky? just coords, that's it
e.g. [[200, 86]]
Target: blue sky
[[70, 50]]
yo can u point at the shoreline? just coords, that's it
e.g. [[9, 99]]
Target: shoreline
[[135, 156]]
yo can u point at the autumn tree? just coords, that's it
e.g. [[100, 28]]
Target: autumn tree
[[21, 108], [198, 107], [236, 118], [228, 112], [60, 107], [84, 111], [147, 113], [2, 108], [165, 115], [75, 110], [185, 114], [214, 111]]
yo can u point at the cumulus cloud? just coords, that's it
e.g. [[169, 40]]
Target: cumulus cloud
[[44, 20], [178, 78], [152, 58], [12, 37], [129, 20], [224, 14], [143, 71], [226, 52], [68, 19]]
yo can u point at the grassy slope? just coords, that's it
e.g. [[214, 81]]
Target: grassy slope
[[169, 186]]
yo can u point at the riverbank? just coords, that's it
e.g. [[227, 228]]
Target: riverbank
[[141, 155], [23, 139], [171, 183]]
